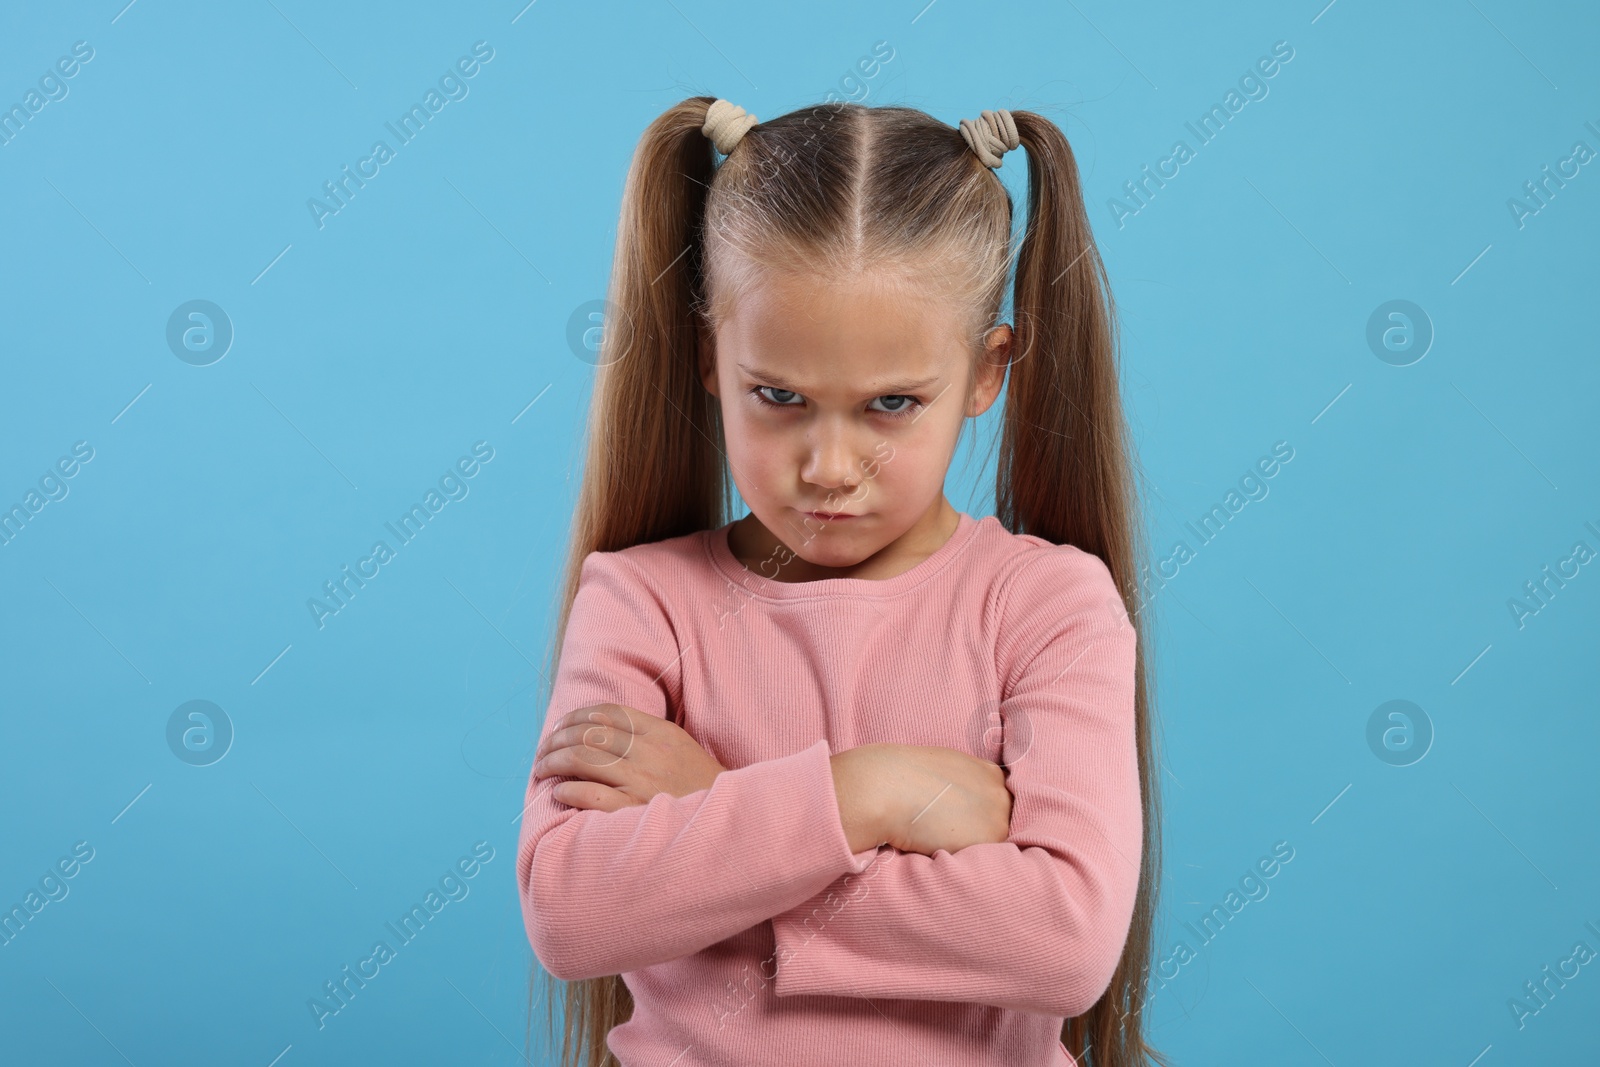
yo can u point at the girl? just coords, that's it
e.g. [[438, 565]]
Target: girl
[[856, 778]]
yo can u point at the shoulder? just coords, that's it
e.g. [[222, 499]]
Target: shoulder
[[651, 563], [1042, 592], [1026, 568], [649, 578]]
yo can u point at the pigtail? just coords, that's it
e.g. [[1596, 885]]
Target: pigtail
[[654, 465], [1066, 475], [652, 424]]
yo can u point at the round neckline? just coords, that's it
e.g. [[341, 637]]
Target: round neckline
[[758, 585]]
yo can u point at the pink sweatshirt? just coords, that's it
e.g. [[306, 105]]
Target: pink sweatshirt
[[745, 928]]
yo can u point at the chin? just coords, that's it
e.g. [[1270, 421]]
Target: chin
[[836, 554], [815, 533]]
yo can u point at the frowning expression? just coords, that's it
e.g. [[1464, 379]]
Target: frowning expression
[[841, 406]]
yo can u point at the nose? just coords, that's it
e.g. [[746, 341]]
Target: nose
[[832, 462]]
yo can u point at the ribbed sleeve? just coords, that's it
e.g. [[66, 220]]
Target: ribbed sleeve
[[611, 892], [1037, 923]]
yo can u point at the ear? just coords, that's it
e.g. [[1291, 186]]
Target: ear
[[706, 354], [990, 372]]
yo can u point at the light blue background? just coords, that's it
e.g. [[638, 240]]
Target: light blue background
[[427, 315]]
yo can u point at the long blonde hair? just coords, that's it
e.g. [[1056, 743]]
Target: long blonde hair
[[841, 188]]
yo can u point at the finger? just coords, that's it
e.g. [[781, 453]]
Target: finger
[[592, 797], [589, 764], [618, 715], [612, 715], [558, 731], [603, 744]]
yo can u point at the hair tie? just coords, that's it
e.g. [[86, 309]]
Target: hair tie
[[991, 136], [726, 124]]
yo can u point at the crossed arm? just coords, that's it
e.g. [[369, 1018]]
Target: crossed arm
[[1033, 923], [610, 891]]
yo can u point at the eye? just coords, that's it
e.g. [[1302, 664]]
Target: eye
[[906, 405], [783, 402], [899, 405]]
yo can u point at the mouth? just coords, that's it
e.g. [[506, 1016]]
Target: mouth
[[831, 516]]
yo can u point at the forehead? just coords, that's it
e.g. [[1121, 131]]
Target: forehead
[[842, 335]]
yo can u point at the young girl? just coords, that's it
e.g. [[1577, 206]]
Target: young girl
[[857, 778]]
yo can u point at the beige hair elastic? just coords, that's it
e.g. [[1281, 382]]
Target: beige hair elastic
[[990, 136], [726, 124]]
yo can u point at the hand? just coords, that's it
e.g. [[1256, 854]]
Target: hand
[[624, 757], [929, 798]]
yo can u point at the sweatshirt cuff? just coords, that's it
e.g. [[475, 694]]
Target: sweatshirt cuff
[[849, 862]]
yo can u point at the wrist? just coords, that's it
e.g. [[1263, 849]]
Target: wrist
[[861, 812]]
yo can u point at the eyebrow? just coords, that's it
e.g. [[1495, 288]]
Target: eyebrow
[[879, 388]]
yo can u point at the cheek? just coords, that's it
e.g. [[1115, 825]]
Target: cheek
[[915, 465], [750, 436], [756, 452], [913, 469]]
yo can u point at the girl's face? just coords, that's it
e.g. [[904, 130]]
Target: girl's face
[[845, 398]]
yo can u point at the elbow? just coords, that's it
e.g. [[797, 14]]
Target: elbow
[[1072, 987], [1081, 989], [1061, 993], [558, 913], [1068, 979], [558, 963], [561, 956], [554, 928], [556, 933], [553, 955], [1082, 975]]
